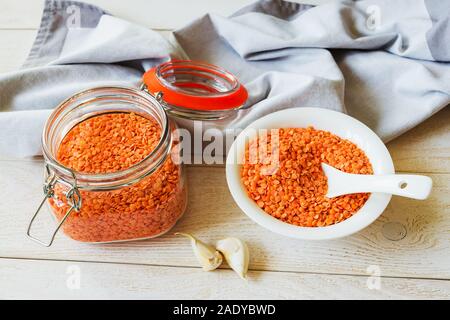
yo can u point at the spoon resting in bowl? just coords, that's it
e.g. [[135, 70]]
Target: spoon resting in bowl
[[405, 185]]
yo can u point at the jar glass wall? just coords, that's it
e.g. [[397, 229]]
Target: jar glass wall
[[141, 201]]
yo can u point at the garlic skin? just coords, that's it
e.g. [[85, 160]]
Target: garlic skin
[[208, 257], [236, 254]]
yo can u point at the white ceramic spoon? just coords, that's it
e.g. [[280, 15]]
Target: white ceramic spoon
[[405, 185]]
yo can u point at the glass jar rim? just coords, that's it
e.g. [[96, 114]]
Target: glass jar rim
[[199, 92], [110, 180], [162, 68]]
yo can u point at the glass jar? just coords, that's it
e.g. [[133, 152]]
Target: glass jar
[[195, 90], [142, 201], [202, 98]]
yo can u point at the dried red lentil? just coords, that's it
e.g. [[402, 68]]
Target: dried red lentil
[[295, 192], [109, 143]]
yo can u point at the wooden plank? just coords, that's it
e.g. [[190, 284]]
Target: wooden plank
[[26, 279], [425, 148], [156, 14], [20, 15], [212, 214], [14, 48]]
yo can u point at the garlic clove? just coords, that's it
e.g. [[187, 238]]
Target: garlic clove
[[236, 254], [208, 257]]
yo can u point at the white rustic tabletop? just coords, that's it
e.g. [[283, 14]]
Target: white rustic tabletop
[[408, 246]]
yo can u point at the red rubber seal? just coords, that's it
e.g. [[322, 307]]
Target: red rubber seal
[[189, 84]]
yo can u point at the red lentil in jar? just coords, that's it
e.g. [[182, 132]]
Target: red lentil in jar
[[294, 192], [117, 149]]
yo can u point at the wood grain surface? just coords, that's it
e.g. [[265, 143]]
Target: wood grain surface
[[409, 243]]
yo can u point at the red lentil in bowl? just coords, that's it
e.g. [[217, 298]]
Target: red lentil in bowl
[[295, 191], [339, 124]]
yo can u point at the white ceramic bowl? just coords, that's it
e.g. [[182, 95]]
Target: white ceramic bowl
[[341, 125]]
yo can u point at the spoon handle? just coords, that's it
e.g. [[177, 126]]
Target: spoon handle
[[405, 185]]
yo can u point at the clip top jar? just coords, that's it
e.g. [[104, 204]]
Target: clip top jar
[[195, 90], [119, 198]]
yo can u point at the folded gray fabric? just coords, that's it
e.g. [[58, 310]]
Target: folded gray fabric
[[78, 46], [380, 66], [386, 63]]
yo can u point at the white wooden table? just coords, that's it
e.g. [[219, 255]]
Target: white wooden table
[[416, 266]]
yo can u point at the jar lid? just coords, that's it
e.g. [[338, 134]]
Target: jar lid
[[195, 85]]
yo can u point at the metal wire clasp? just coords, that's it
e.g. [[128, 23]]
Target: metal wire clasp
[[158, 95], [73, 197]]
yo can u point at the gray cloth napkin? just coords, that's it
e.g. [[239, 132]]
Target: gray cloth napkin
[[384, 62]]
